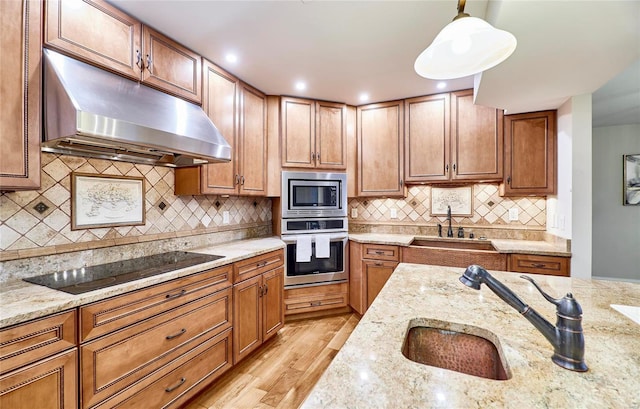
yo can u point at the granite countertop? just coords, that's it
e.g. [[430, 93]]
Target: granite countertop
[[501, 245], [21, 301], [371, 372]]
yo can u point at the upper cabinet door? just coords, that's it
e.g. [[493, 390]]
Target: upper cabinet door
[[97, 32], [530, 154], [252, 142], [427, 153], [20, 88], [298, 132], [476, 139], [220, 102], [171, 67], [331, 135], [380, 149]]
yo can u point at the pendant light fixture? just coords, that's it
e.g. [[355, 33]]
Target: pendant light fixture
[[466, 46]]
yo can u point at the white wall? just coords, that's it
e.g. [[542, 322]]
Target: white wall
[[570, 210], [616, 239]]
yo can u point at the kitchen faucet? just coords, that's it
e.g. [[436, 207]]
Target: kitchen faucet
[[449, 230], [566, 336]]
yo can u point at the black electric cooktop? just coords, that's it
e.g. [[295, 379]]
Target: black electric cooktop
[[85, 279]]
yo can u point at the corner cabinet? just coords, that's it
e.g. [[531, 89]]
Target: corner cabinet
[[380, 134], [20, 85], [370, 266], [314, 134], [99, 33], [240, 114], [530, 154], [258, 298]]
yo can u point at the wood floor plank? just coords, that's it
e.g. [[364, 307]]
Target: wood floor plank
[[282, 372]]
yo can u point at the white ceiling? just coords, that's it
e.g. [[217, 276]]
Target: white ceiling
[[344, 48]]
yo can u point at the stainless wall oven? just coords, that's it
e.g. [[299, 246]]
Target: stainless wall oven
[[314, 227]]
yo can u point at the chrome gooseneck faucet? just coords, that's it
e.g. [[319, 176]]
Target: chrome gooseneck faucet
[[449, 230], [566, 336]]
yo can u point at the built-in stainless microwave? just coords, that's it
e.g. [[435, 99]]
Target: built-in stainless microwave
[[314, 194]]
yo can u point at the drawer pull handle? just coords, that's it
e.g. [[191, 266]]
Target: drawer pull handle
[[173, 388], [316, 303], [380, 253], [261, 264], [182, 331], [539, 265], [177, 294], [377, 263]]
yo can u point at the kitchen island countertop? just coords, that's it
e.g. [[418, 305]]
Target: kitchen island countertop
[[370, 371], [21, 301]]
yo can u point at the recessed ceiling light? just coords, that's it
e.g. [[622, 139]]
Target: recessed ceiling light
[[364, 97], [441, 85], [232, 58], [301, 86]]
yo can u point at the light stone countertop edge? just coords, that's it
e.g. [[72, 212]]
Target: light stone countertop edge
[[504, 246], [21, 301]]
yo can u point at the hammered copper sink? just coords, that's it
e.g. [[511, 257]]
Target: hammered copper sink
[[455, 347]]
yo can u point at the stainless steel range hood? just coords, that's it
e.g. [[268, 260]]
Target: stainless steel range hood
[[92, 112]]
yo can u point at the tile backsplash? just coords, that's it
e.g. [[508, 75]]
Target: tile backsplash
[[42, 218], [489, 209]]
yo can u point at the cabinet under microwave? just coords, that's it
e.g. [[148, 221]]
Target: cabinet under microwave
[[314, 194]]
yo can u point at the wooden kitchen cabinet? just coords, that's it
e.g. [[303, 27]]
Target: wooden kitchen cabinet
[[539, 264], [380, 149], [316, 298], [427, 138], [240, 114], [449, 139], [258, 297], [530, 154], [132, 340], [370, 266], [51, 383], [477, 139], [20, 90], [99, 33], [314, 134], [38, 363]]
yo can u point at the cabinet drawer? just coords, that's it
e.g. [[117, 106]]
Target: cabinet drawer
[[316, 298], [254, 266], [381, 252], [536, 264], [118, 312], [51, 383], [111, 363], [26, 343], [181, 379]]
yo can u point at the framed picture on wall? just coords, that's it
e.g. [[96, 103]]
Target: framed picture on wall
[[106, 201], [631, 179]]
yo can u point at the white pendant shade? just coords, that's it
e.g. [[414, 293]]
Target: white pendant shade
[[466, 46]]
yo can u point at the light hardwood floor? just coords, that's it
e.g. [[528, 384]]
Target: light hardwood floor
[[282, 372]]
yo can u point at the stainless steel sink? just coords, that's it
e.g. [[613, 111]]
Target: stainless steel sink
[[455, 347]]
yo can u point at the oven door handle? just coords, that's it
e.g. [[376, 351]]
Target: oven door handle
[[291, 238]]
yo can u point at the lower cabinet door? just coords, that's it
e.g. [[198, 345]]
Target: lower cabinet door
[[272, 302], [247, 318], [51, 383], [376, 275]]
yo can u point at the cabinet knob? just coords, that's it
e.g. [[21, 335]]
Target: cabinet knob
[[318, 156], [454, 167], [242, 180], [446, 168], [509, 180]]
